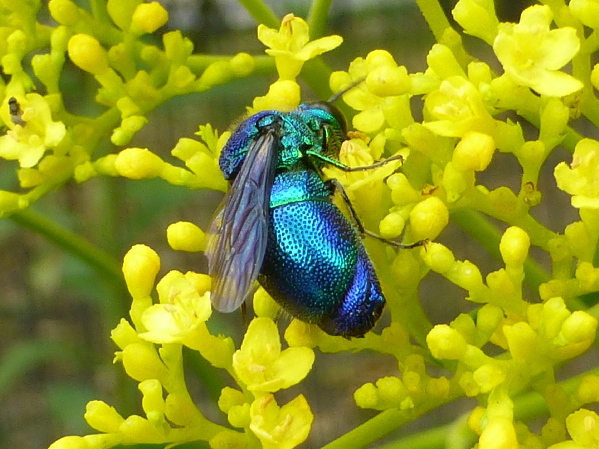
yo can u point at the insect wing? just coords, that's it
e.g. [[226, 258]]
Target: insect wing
[[238, 235]]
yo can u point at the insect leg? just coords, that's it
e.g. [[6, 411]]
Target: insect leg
[[346, 168], [335, 186]]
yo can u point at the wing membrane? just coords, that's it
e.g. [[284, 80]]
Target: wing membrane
[[238, 235]]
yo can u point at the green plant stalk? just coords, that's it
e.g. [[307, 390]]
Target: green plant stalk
[[318, 17], [263, 65], [442, 30], [261, 13], [434, 16], [381, 425]]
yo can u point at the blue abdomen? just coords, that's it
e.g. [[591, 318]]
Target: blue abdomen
[[315, 264]]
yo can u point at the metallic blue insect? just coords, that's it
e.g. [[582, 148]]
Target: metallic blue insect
[[279, 224]]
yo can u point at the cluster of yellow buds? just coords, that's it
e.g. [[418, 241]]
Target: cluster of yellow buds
[[528, 320], [53, 145]]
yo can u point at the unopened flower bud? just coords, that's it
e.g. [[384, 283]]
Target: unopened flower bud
[[87, 54], [140, 267], [102, 417], [392, 225], [148, 17], [583, 427], [522, 340], [229, 397], [367, 396], [64, 12], [438, 257], [478, 18], [498, 434], [152, 402], [588, 390], [446, 343], [185, 236], [242, 64], [474, 152], [587, 11], [141, 362], [428, 218], [578, 327], [488, 376], [514, 246], [138, 163]]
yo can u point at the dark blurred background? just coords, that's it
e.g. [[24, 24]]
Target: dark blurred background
[[56, 313]]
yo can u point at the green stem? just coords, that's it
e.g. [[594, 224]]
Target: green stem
[[591, 43], [318, 17], [382, 424], [539, 235], [571, 137], [100, 11], [454, 435], [434, 16], [442, 30], [261, 13], [263, 65], [489, 237]]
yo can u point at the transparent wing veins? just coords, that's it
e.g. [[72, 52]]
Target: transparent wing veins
[[238, 235]]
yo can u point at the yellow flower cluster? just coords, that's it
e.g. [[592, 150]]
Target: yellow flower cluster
[[52, 145], [151, 353], [533, 317]]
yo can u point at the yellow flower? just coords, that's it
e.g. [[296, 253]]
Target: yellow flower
[[35, 132], [261, 364], [583, 427], [377, 97], [458, 107], [201, 158], [581, 178], [184, 305], [532, 54], [281, 427], [291, 45], [356, 152]]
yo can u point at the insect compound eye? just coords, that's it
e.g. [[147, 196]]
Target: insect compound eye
[[329, 113]]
